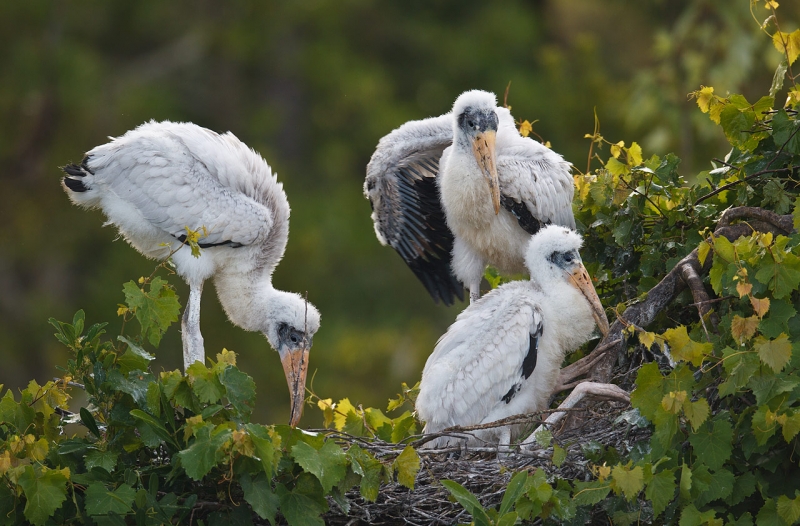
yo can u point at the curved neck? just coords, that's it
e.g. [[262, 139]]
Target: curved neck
[[246, 299]]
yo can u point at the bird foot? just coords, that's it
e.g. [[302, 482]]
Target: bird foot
[[583, 390]]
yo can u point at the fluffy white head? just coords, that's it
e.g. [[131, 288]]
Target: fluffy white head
[[476, 99], [550, 239], [289, 311]]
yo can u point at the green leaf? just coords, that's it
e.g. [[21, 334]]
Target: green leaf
[[661, 490], [785, 132], [44, 491], [266, 447], [205, 452], [788, 509], [782, 278], [686, 482], [104, 459], [713, 443], [768, 515], [761, 428], [777, 320], [102, 501], [736, 124], [88, 421], [690, 516], [19, 415], [370, 469], [468, 501], [156, 309], [205, 383], [515, 488], [403, 426], [775, 353], [649, 388], [328, 464], [240, 389], [792, 426], [559, 455], [720, 487], [628, 481], [590, 493], [258, 493], [156, 426], [300, 509], [407, 465]]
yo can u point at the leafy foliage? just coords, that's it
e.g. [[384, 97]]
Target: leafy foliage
[[157, 447]]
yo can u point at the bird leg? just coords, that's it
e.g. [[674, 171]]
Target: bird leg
[[567, 375], [595, 390], [193, 350]]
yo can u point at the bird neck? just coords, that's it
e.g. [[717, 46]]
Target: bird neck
[[573, 323], [246, 299]]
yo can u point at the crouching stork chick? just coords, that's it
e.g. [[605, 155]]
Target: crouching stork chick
[[503, 354]]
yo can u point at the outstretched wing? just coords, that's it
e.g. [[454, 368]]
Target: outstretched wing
[[536, 183], [406, 210], [482, 361]]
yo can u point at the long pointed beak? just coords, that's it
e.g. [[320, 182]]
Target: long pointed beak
[[295, 367], [579, 279], [484, 149]]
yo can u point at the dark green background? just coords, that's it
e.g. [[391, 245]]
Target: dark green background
[[312, 85]]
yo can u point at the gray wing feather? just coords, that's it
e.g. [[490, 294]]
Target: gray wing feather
[[406, 210], [478, 359]]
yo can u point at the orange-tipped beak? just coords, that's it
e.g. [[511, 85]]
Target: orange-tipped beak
[[579, 279], [295, 367], [484, 151]]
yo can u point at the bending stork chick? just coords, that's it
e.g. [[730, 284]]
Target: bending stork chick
[[503, 354], [157, 180], [454, 193]]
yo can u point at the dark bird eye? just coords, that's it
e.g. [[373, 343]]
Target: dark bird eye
[[471, 123], [295, 338], [568, 257]]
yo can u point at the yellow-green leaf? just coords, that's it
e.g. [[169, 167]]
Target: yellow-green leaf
[[673, 401], [343, 408], [696, 412], [628, 482], [525, 128], [702, 252], [646, 338], [684, 348], [634, 155], [703, 97], [791, 426], [775, 353], [559, 455], [788, 43], [407, 465]]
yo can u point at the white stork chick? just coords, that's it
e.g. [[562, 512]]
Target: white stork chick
[[162, 177], [454, 193], [503, 354]]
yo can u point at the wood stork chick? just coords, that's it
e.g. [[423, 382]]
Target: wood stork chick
[[162, 177], [503, 354], [454, 193]]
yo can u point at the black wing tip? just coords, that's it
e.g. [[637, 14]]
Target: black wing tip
[[437, 278], [75, 174]]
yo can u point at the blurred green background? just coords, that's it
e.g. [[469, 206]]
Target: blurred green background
[[312, 85]]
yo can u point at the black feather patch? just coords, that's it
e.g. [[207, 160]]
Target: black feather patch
[[76, 185], [511, 392], [231, 244], [529, 363], [524, 216], [413, 222]]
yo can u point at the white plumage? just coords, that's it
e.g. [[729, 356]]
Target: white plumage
[[503, 354], [157, 180], [457, 192]]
